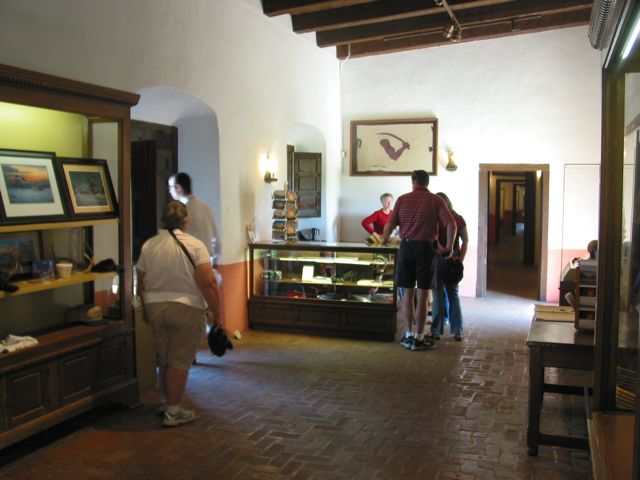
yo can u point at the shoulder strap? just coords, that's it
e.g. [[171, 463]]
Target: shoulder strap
[[184, 249]]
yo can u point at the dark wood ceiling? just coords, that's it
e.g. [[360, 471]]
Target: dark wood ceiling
[[357, 28]]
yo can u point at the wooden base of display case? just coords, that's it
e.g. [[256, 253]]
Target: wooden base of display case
[[611, 444], [340, 319], [69, 372]]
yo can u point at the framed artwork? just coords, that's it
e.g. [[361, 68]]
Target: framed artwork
[[29, 187], [18, 251], [88, 188], [394, 147]]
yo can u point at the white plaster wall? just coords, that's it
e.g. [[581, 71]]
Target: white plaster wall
[[525, 99], [257, 76]]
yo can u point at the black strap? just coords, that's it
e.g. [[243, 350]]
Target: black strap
[[184, 249]]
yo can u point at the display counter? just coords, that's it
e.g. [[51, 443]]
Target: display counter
[[336, 289]]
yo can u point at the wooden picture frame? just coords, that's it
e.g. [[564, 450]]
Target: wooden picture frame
[[88, 188], [29, 188], [18, 251], [394, 147]]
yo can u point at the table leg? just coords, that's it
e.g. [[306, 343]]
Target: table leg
[[536, 381]]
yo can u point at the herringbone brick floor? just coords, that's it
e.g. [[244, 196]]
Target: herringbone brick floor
[[284, 406]]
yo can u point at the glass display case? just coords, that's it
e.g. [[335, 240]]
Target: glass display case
[[328, 288]]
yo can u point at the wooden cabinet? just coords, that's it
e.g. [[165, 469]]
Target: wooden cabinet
[[338, 289], [73, 367]]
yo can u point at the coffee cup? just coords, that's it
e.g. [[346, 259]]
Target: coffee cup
[[64, 269]]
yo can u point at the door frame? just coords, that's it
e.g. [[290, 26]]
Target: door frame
[[483, 221]]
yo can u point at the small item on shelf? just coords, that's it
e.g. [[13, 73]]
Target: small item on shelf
[[279, 195], [88, 314], [13, 342], [291, 196], [107, 265], [64, 269], [279, 204], [43, 269]]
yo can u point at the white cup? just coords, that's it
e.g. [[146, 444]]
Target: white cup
[[64, 269]]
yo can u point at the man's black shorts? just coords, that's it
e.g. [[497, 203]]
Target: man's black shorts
[[415, 264]]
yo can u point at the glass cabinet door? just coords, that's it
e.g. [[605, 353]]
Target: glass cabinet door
[[629, 302]]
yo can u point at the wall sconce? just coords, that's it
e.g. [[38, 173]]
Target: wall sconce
[[451, 164], [269, 169], [269, 177]]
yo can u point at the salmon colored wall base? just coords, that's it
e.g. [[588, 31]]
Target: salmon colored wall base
[[234, 296]]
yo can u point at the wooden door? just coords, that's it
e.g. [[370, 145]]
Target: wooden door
[[307, 181]]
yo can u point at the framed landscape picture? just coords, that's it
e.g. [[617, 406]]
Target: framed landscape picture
[[394, 147], [17, 253], [88, 188], [29, 187]]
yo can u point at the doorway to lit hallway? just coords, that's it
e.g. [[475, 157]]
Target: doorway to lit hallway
[[512, 230]]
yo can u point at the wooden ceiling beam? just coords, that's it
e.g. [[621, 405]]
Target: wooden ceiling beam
[[428, 23], [382, 10], [476, 32], [272, 8]]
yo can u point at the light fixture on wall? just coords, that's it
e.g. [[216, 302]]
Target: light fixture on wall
[[451, 164], [269, 170], [269, 177]]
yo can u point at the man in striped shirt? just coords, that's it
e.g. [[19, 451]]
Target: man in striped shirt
[[417, 213]]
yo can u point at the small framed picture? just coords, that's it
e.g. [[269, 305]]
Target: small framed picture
[[18, 251], [29, 187], [88, 188]]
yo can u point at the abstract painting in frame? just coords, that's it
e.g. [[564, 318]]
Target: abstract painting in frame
[[88, 188], [394, 147], [29, 187]]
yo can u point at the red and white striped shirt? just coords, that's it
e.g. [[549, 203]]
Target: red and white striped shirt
[[418, 213]]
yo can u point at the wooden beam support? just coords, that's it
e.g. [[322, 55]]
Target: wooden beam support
[[437, 21], [272, 8], [382, 10], [476, 32]]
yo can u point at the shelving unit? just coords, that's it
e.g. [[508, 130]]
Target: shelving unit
[[73, 368], [586, 294]]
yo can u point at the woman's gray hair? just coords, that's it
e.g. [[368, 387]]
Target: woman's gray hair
[[175, 215]]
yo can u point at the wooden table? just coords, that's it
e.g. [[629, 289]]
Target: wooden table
[[559, 345]]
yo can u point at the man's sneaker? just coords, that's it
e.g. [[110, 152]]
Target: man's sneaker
[[424, 344], [406, 341], [181, 417]]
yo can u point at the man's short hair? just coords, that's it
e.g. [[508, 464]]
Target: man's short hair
[[175, 215], [421, 177], [184, 180], [385, 195]]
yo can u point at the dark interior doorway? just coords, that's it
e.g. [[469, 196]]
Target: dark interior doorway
[[154, 158], [512, 230]]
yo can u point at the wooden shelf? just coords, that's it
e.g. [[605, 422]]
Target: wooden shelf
[[330, 260], [52, 226], [36, 285]]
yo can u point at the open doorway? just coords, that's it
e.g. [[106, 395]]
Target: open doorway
[[512, 230]]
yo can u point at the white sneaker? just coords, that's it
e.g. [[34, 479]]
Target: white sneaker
[[181, 417]]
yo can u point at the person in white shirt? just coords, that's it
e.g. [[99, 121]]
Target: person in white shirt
[[177, 286], [202, 223]]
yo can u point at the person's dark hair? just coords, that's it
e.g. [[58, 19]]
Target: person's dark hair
[[447, 201], [420, 177], [184, 180], [175, 215]]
